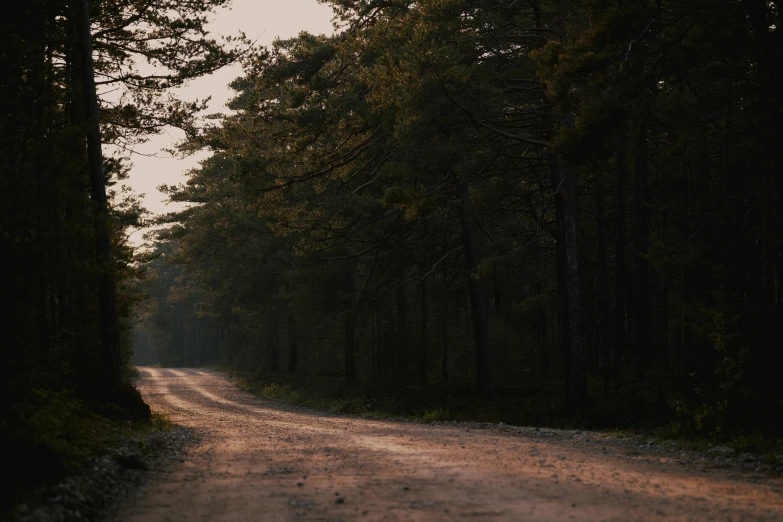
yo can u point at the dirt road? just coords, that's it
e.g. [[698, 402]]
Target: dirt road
[[262, 460]]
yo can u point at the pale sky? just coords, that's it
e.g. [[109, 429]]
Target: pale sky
[[262, 21]]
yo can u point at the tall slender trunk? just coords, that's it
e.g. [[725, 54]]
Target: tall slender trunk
[[619, 249], [351, 313], [229, 347], [444, 363], [687, 353], [605, 345], [477, 302], [498, 291], [180, 335], [376, 340], [641, 233], [350, 346], [107, 297], [387, 362], [564, 182], [425, 334], [569, 178], [293, 344], [401, 362], [543, 347], [563, 309], [577, 353], [273, 341], [662, 345], [571, 338]]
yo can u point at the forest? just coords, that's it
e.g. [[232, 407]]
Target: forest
[[570, 208], [490, 197]]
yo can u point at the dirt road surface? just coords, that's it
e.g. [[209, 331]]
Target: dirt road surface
[[261, 460]]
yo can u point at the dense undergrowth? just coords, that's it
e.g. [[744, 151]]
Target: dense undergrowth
[[55, 434]]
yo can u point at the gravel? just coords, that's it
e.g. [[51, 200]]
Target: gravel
[[110, 479], [642, 447]]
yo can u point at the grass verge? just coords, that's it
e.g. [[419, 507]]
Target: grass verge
[[539, 405]]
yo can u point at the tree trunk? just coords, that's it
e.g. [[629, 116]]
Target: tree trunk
[[350, 347], [273, 343], [571, 338], [477, 302], [107, 298], [564, 182], [293, 344], [605, 352], [271, 361], [376, 340], [401, 362], [642, 314], [664, 360], [444, 363], [577, 369], [498, 291], [619, 252], [424, 360], [563, 312], [543, 347]]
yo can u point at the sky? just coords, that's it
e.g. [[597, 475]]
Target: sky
[[262, 21]]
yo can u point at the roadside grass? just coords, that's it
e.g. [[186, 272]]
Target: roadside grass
[[53, 435], [540, 404], [446, 403], [766, 445]]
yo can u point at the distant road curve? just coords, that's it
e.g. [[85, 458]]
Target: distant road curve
[[262, 460]]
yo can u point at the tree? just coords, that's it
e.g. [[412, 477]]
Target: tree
[[106, 291]]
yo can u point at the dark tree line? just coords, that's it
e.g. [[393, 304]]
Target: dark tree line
[[498, 194], [70, 93]]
